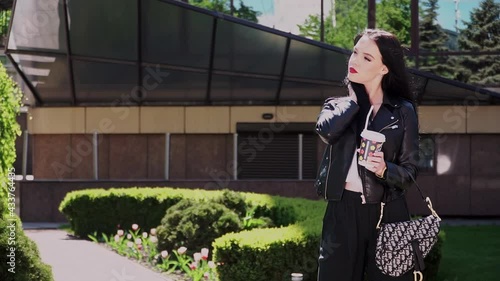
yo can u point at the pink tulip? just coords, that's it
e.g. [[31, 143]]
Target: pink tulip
[[193, 266], [153, 239], [164, 254], [145, 234], [206, 275], [153, 231], [120, 232], [130, 244], [182, 250], [135, 227], [197, 256], [211, 264], [138, 241], [117, 238], [204, 254]]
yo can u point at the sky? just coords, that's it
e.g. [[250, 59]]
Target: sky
[[446, 16]]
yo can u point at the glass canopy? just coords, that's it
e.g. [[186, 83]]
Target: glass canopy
[[152, 52]]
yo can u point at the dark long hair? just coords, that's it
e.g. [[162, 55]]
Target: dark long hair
[[395, 82]]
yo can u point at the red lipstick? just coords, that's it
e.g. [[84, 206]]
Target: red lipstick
[[352, 70]]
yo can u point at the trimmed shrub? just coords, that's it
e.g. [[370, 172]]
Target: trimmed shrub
[[281, 215], [267, 254], [103, 211], [195, 225], [234, 201], [28, 265]]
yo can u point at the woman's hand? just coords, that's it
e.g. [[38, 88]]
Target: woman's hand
[[376, 164]]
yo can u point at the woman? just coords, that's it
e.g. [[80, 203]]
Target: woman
[[376, 78]]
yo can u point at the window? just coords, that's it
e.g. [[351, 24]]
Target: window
[[426, 153]]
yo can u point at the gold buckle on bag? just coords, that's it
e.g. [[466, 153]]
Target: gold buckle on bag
[[418, 276]]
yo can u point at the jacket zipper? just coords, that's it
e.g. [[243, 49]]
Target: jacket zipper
[[388, 126], [328, 173]]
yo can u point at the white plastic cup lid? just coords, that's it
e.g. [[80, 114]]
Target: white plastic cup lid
[[373, 136]]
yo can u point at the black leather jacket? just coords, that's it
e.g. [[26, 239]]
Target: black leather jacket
[[336, 126]]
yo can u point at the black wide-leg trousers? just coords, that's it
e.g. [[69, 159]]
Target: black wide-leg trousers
[[347, 249]]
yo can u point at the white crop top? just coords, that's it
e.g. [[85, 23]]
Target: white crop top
[[353, 178]]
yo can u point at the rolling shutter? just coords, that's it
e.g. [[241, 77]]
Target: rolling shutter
[[263, 154]]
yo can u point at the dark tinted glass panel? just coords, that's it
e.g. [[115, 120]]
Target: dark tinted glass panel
[[309, 61], [105, 82], [426, 153], [437, 92], [298, 91], [38, 25], [230, 88], [28, 98], [48, 74], [244, 49], [166, 85], [104, 28], [176, 36]]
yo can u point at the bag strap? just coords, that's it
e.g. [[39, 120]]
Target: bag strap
[[426, 199]]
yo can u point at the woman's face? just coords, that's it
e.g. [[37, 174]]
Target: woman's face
[[365, 63]]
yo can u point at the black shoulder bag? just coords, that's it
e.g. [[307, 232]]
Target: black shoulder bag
[[402, 246]]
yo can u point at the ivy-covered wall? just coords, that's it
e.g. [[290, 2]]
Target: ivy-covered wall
[[19, 256]]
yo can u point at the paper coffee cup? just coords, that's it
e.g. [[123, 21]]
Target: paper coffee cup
[[371, 142]]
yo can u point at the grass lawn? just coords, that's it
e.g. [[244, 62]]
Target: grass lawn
[[471, 253]]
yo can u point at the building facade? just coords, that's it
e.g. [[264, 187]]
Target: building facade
[[192, 98]]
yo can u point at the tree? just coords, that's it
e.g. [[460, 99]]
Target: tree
[[351, 19], [4, 23], [433, 39], [482, 33], [224, 6], [395, 17]]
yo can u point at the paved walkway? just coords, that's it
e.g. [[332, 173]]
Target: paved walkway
[[81, 260]]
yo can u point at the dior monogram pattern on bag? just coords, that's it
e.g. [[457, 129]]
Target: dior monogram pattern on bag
[[394, 252]]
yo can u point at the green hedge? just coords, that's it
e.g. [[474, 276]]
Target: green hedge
[[102, 211], [258, 254]]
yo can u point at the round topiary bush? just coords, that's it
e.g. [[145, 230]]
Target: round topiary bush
[[27, 265], [234, 201], [195, 225]]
